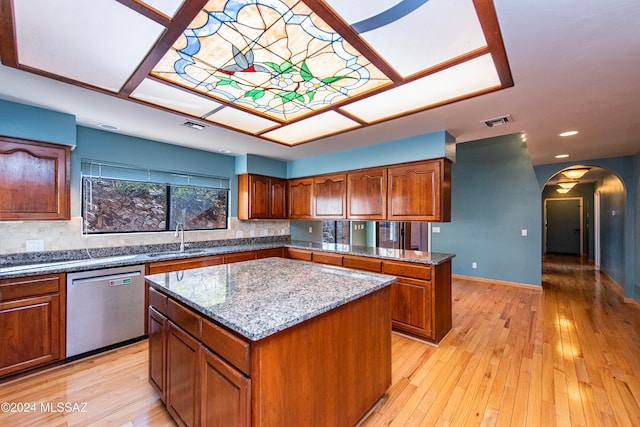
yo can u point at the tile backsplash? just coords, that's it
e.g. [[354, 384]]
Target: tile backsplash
[[16, 236]]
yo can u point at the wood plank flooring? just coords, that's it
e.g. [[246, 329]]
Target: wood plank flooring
[[568, 355]]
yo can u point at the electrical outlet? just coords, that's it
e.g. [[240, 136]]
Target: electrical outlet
[[310, 229], [524, 231], [435, 229], [474, 265]]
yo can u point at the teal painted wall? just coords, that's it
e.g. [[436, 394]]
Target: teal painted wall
[[612, 226], [38, 124], [623, 167], [495, 194], [250, 163], [636, 258], [429, 146], [107, 146]]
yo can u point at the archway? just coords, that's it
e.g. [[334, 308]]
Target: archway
[[592, 203]]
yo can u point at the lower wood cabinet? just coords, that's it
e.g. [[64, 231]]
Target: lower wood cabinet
[[32, 322], [226, 393], [158, 327], [183, 376], [420, 297]]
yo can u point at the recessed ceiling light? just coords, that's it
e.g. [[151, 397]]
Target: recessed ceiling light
[[562, 156], [569, 133], [108, 126]]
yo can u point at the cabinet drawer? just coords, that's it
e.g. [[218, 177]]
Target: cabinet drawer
[[184, 264], [361, 263], [158, 301], [325, 258], [268, 253], [29, 286], [185, 318], [407, 269], [232, 348], [299, 254], [238, 257]]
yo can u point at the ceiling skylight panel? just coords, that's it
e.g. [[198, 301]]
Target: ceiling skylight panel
[[173, 98], [98, 42], [434, 33], [312, 128], [465, 79], [238, 119]]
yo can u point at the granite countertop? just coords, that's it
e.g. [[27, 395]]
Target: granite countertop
[[66, 266], [261, 297], [420, 257], [66, 263]]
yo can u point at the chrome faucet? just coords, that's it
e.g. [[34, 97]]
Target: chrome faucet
[[180, 231]]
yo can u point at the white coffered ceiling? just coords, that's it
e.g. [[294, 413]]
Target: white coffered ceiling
[[573, 65]]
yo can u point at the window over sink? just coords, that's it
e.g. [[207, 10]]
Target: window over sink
[[124, 199]]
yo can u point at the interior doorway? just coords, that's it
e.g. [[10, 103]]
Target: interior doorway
[[563, 221]]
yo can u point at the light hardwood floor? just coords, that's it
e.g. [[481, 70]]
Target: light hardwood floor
[[566, 356]]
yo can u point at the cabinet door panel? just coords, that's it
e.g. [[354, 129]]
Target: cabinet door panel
[[419, 191], [330, 196], [183, 363], [367, 194], [29, 332], [300, 198], [411, 306], [278, 198], [34, 180], [259, 196], [157, 351], [226, 393]]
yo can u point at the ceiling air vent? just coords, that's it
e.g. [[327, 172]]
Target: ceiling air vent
[[498, 121], [194, 125]]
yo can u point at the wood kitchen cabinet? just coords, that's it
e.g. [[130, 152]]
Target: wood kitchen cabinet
[[300, 198], [158, 327], [330, 201], [184, 264], [419, 191], [261, 197], [367, 194], [183, 376], [34, 180], [226, 393], [421, 298], [32, 322]]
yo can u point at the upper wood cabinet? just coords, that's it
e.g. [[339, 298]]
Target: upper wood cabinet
[[330, 196], [367, 194], [261, 197], [34, 180], [301, 197], [420, 191]]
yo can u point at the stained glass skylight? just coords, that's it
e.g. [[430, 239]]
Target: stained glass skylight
[[277, 58]]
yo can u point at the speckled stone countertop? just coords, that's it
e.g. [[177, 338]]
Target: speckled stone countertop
[[82, 260], [106, 261], [261, 297], [420, 257]]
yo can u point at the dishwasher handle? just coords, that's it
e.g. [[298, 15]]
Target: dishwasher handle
[[113, 279]]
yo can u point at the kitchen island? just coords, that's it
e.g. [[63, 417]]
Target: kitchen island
[[270, 342]]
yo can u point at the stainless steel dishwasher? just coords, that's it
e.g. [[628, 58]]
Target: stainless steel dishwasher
[[104, 307]]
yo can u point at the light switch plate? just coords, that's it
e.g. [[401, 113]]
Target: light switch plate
[[524, 231], [35, 245]]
